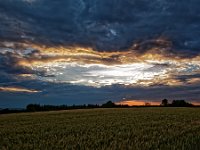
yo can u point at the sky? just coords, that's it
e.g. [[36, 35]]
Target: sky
[[91, 51]]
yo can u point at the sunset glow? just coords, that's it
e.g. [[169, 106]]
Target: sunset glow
[[78, 51], [138, 103]]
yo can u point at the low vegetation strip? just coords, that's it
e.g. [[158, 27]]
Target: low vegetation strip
[[115, 128], [109, 104]]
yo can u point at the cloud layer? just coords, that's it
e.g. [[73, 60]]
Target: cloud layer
[[104, 25], [137, 46]]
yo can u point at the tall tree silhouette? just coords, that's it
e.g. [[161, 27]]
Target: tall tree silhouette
[[164, 102]]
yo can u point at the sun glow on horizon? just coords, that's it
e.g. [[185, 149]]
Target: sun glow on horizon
[[138, 103], [146, 103]]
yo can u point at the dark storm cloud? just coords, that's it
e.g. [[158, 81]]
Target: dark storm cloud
[[189, 78], [10, 69], [8, 63], [102, 24]]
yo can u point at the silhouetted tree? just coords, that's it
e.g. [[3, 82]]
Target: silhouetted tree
[[33, 107], [109, 104], [164, 102], [180, 103]]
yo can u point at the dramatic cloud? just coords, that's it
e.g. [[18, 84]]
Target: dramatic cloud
[[104, 25], [135, 45], [17, 89], [84, 66]]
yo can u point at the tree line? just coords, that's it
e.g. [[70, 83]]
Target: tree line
[[109, 104], [176, 103]]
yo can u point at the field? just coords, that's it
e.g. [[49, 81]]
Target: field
[[131, 128]]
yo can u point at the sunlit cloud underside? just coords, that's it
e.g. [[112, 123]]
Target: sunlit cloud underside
[[18, 89], [85, 66], [143, 74], [99, 75]]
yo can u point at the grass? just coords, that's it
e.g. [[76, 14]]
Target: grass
[[123, 129]]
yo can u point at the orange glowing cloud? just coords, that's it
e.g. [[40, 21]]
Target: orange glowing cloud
[[18, 89], [158, 64], [91, 56], [174, 65], [156, 51]]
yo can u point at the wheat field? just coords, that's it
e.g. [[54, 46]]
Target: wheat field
[[102, 129]]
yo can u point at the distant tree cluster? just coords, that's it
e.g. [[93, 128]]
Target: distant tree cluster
[[37, 107], [109, 104], [176, 103], [8, 111]]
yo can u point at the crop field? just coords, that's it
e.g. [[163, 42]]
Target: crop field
[[123, 129]]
